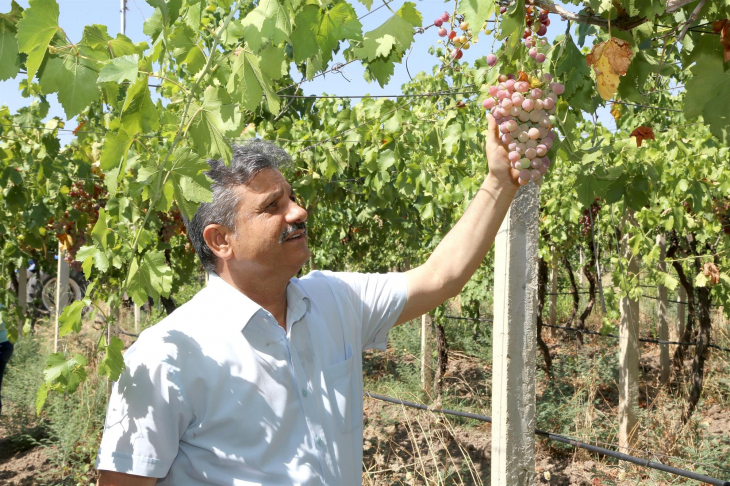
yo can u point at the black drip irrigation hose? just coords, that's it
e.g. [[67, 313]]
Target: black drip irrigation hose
[[565, 440]]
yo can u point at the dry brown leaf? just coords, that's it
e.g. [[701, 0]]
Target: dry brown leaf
[[616, 112], [642, 133], [711, 272], [722, 27], [610, 60]]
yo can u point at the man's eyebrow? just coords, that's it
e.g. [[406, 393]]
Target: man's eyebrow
[[272, 197]]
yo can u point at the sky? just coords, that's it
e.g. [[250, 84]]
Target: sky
[[75, 14]]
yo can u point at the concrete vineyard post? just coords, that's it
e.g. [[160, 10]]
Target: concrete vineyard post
[[426, 354], [628, 348], [22, 295], [582, 264], [554, 293], [136, 318], [662, 325], [515, 342], [62, 293], [681, 313]]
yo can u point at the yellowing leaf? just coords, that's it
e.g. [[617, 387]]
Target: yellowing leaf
[[610, 60]]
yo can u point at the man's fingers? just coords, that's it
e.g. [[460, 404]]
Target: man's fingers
[[492, 124]]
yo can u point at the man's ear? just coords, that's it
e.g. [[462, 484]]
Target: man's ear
[[218, 238]]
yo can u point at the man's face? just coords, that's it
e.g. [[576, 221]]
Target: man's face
[[270, 226]]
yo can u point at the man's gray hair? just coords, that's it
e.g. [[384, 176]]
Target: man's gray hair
[[248, 160]]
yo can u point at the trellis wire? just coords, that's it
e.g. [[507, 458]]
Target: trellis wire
[[560, 438]]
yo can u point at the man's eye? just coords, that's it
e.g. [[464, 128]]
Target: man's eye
[[272, 205]]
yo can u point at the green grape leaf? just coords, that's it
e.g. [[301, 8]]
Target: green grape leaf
[[512, 22], [89, 254], [73, 78], [249, 82], [708, 89], [190, 184], [270, 20], [185, 51], [476, 12], [336, 24], [276, 64], [386, 160], [114, 157], [35, 31], [588, 188], [68, 373], [70, 319], [40, 398], [9, 62], [120, 69], [381, 69], [395, 34], [571, 67], [139, 114], [169, 9], [112, 364], [304, 37], [206, 127], [149, 276], [101, 230]]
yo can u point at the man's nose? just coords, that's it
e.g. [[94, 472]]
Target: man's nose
[[297, 214]]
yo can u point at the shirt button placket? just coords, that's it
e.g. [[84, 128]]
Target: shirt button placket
[[304, 392]]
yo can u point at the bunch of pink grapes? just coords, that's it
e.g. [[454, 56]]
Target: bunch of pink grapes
[[525, 118]]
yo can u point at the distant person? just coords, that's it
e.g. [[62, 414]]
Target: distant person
[[258, 379], [6, 351]]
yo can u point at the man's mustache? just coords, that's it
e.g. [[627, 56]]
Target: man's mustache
[[291, 229]]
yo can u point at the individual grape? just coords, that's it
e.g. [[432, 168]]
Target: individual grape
[[491, 59], [523, 87], [531, 144], [514, 156], [541, 150], [545, 122], [525, 174], [523, 137], [557, 88], [512, 125], [536, 93], [542, 132], [503, 78], [507, 138], [502, 10], [528, 105], [524, 115], [492, 90], [533, 133], [530, 153], [445, 17], [548, 103], [463, 39], [542, 30], [540, 58], [510, 84], [517, 99], [547, 77], [507, 103], [456, 54], [522, 181], [452, 34], [539, 105], [525, 162], [502, 94], [464, 26], [536, 163], [520, 149], [442, 32], [512, 146], [535, 116], [529, 43], [488, 103], [535, 174], [514, 111], [532, 52], [466, 46], [438, 23]]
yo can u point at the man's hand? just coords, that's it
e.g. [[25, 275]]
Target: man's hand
[[499, 166], [111, 478]]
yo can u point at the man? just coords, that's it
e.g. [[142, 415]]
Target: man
[[258, 379]]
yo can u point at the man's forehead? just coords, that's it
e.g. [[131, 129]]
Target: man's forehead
[[266, 182]]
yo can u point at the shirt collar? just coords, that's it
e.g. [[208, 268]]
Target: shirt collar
[[238, 309]]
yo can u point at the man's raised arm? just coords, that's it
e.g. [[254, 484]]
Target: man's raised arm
[[462, 250]]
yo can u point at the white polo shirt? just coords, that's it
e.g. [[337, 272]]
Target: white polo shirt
[[218, 393]]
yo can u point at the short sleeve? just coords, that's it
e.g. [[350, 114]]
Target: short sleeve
[[378, 300], [146, 416]]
